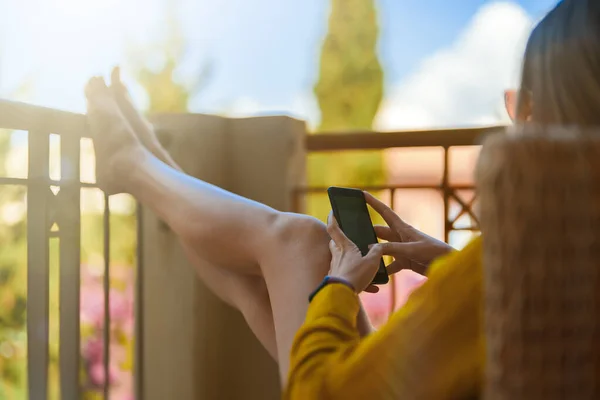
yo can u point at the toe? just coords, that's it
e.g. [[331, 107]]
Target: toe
[[115, 76], [116, 84], [101, 84], [95, 86], [89, 88]]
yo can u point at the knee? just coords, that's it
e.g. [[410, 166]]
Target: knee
[[302, 233]]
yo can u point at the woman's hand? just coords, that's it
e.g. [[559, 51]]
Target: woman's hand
[[347, 261], [411, 248]]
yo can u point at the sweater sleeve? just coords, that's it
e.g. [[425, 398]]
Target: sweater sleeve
[[430, 348]]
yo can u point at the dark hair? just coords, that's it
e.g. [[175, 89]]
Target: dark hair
[[561, 67]]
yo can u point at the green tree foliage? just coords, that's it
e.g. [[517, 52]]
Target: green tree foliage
[[349, 91], [166, 93], [350, 85], [13, 286], [13, 276]]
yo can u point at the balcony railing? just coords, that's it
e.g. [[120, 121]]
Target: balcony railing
[[446, 139], [62, 210]]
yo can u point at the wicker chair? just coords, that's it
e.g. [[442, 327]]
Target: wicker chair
[[540, 214]]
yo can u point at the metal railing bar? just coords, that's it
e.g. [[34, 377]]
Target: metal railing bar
[[79, 185], [393, 276], [404, 139], [13, 181], [48, 181], [38, 270], [138, 374], [446, 193], [69, 224], [382, 188], [106, 291]]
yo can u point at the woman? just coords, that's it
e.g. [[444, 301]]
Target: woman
[[267, 263], [433, 347]]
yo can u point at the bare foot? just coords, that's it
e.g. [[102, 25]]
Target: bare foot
[[141, 126], [117, 148]]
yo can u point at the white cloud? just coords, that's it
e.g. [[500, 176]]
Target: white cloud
[[463, 84]]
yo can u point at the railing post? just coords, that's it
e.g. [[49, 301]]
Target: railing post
[[69, 220], [138, 365], [106, 291], [37, 265], [446, 193]]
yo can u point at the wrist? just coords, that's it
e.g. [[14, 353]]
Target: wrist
[[328, 280], [333, 278]]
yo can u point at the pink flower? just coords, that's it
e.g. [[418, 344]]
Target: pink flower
[[121, 308], [93, 350], [96, 372]]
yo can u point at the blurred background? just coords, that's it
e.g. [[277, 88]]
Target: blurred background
[[339, 65]]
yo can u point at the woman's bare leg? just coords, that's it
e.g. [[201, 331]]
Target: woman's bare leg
[[289, 251], [246, 293]]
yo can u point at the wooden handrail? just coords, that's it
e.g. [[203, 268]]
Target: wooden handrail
[[22, 116], [387, 140], [27, 117]]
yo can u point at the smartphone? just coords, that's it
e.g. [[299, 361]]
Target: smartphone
[[350, 210]]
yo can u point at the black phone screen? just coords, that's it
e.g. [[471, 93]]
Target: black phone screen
[[350, 210], [355, 221]]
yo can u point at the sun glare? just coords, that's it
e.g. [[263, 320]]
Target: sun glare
[[84, 7], [66, 42]]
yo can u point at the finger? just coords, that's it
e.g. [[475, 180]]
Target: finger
[[336, 233], [401, 264], [410, 250], [389, 216], [372, 289], [398, 265], [385, 233]]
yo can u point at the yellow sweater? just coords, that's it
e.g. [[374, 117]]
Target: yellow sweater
[[432, 348]]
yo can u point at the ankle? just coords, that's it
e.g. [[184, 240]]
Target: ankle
[[132, 165]]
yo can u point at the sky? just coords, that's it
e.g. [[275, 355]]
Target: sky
[[446, 63]]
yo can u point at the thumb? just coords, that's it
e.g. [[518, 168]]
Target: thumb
[[375, 252]]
